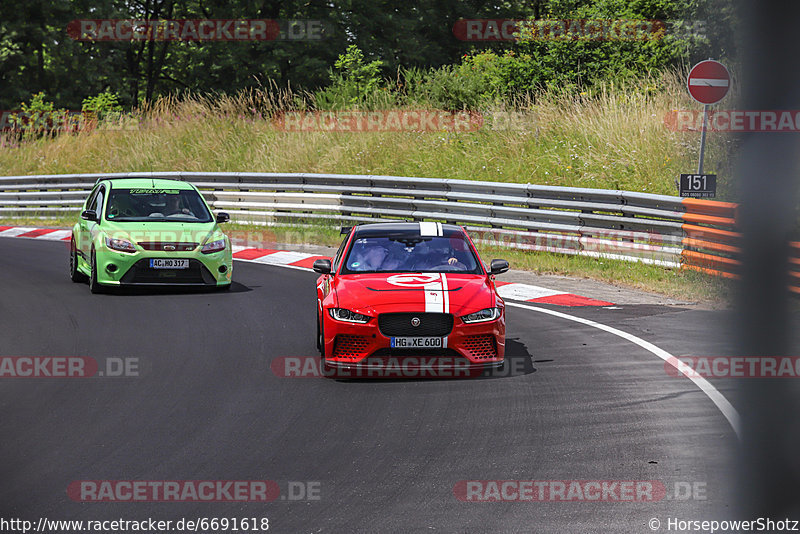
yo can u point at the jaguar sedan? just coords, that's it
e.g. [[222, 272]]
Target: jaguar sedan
[[411, 296]]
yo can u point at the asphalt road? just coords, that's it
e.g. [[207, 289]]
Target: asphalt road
[[385, 455]]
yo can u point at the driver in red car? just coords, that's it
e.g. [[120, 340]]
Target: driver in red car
[[367, 256]]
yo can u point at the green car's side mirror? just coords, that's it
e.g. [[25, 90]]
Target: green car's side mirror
[[89, 215]]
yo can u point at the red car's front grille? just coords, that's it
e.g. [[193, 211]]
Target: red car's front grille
[[168, 246], [348, 346], [481, 347]]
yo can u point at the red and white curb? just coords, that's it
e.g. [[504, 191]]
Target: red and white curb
[[303, 261], [543, 295], [507, 290], [46, 234]]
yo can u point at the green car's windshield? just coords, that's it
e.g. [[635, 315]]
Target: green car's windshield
[[179, 205]]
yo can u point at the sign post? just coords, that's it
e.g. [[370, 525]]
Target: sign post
[[708, 83], [703, 139]]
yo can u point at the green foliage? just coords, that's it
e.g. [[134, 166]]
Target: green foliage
[[575, 63], [680, 37], [353, 69], [447, 87], [102, 104], [38, 118], [354, 82], [38, 105], [481, 80]]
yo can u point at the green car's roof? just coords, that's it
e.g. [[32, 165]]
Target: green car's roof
[[147, 183]]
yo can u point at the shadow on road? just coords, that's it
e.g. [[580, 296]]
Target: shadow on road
[[236, 287]]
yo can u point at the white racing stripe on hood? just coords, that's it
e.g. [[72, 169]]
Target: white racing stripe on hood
[[446, 294], [437, 299]]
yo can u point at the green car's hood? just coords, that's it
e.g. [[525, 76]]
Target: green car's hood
[[169, 232]]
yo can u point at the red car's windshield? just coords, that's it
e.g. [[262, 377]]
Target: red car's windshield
[[411, 254]]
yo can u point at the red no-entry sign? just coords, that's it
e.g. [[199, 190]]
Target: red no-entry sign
[[709, 82]]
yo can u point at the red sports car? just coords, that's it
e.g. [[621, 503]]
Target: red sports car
[[410, 296]]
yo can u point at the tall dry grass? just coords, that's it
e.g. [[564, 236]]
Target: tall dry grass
[[614, 138]]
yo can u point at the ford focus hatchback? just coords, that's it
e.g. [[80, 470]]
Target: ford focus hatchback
[[141, 231]]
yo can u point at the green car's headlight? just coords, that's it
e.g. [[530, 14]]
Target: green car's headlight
[[348, 316], [215, 246], [488, 314], [120, 245]]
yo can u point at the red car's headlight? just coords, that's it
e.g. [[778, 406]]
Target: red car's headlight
[[348, 316], [485, 315]]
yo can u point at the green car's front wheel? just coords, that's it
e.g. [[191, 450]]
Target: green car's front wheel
[[94, 285], [74, 274]]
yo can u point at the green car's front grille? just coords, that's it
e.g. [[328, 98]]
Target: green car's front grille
[[141, 273], [168, 246]]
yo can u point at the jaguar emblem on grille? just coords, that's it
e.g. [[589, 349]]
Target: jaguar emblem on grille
[[415, 321]]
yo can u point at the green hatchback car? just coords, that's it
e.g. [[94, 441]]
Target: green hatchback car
[[142, 231]]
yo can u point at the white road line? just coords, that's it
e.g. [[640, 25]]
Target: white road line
[[711, 392]]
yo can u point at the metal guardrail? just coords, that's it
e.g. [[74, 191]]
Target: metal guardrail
[[657, 229]]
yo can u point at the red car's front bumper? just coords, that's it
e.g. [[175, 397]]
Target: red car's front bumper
[[467, 346]]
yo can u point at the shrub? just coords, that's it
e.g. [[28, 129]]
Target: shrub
[[38, 118], [354, 83], [102, 104]]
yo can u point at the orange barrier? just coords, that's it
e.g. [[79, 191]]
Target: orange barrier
[[701, 218], [711, 242], [713, 272], [710, 207], [710, 261], [689, 242], [712, 234]]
